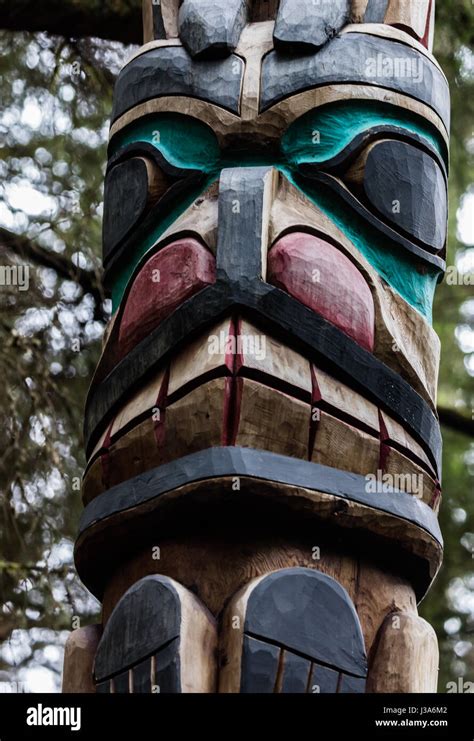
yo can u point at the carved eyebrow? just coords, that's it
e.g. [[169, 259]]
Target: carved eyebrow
[[169, 70], [345, 60]]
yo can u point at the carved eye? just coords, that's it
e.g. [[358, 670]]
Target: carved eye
[[406, 188], [131, 189], [136, 187]]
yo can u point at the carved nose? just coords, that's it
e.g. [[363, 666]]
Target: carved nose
[[245, 200]]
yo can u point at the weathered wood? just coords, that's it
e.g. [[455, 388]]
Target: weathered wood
[[264, 10], [263, 658], [270, 420], [272, 363], [295, 673], [424, 257], [166, 281], [201, 360], [160, 619], [397, 437], [277, 476], [169, 70], [166, 183], [355, 365], [322, 278], [346, 58], [261, 428], [79, 654], [406, 187], [413, 17], [196, 421], [340, 445], [125, 201], [245, 198], [153, 22], [406, 657], [403, 339], [397, 34], [256, 40], [276, 120], [160, 20]]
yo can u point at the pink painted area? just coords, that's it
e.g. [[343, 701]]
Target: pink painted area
[[324, 279], [170, 276]]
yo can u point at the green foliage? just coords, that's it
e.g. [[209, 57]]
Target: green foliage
[[450, 604]]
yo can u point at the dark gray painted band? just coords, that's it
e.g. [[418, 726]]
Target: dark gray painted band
[[260, 465]]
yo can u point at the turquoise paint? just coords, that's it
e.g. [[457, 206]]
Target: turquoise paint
[[326, 131], [390, 260], [188, 143], [182, 140]]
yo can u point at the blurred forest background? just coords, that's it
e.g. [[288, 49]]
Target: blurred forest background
[[58, 61]]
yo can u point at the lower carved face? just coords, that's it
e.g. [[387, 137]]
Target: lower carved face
[[274, 229]]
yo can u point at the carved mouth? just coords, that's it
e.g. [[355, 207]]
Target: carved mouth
[[238, 386]]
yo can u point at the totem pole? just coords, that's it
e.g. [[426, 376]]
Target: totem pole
[[264, 455]]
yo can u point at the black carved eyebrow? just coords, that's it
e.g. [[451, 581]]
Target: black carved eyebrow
[[344, 60], [170, 70], [337, 164]]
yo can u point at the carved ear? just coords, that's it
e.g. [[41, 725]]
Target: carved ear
[[415, 17], [212, 28], [308, 25]]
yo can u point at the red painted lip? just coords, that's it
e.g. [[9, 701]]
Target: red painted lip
[[168, 278], [319, 275]]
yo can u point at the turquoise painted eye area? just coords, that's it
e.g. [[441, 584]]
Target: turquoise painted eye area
[[183, 141], [321, 134]]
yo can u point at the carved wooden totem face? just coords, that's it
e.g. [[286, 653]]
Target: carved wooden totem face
[[274, 230]]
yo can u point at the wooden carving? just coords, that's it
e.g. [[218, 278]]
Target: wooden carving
[[263, 476]]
